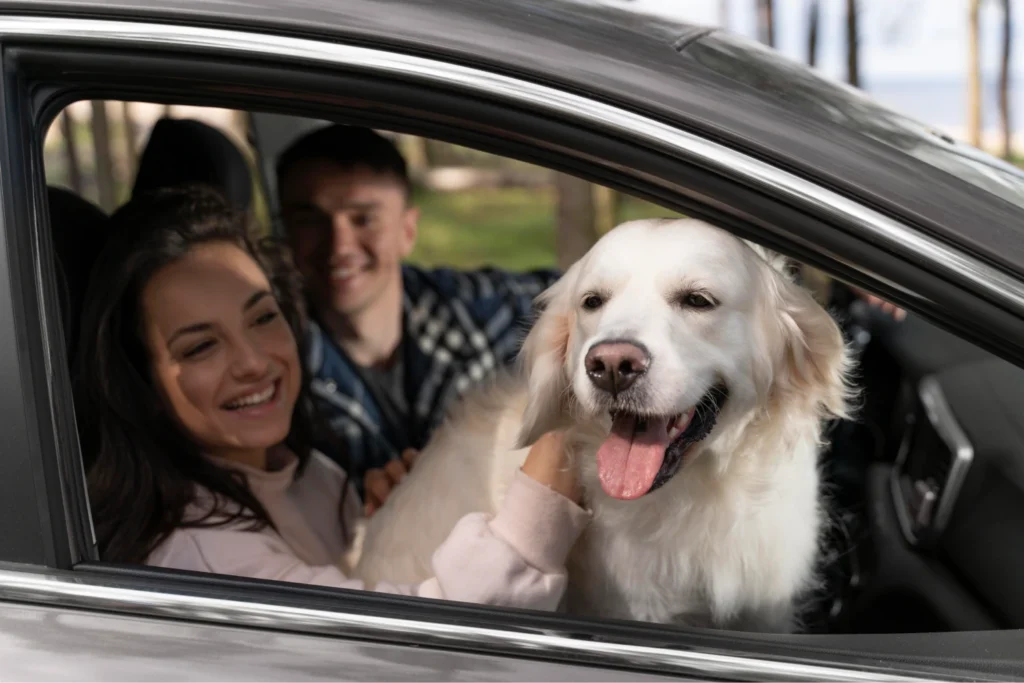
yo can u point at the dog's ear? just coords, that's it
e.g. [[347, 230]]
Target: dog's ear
[[811, 360], [544, 361]]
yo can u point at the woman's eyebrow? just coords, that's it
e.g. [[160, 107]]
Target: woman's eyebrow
[[255, 299], [188, 329]]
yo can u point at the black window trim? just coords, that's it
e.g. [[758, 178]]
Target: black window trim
[[694, 202]]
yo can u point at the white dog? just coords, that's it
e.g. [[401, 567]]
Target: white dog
[[694, 378]]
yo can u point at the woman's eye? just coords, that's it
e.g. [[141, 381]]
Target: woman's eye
[[197, 349], [698, 300], [266, 318], [592, 302]]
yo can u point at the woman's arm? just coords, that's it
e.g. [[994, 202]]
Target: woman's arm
[[515, 559]]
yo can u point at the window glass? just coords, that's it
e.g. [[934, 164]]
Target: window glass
[[790, 85]]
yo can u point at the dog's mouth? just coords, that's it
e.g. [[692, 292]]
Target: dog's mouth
[[644, 451]]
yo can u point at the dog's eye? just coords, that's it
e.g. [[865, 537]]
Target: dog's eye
[[592, 302], [698, 300]]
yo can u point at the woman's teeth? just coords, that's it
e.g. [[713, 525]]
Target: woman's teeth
[[253, 399]]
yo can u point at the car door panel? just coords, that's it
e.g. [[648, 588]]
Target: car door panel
[[38, 643], [982, 541]]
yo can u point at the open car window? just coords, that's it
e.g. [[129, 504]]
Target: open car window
[[480, 210]]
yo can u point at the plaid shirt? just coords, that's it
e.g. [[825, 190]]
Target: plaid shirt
[[458, 328]]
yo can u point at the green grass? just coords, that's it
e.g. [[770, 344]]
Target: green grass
[[509, 228]]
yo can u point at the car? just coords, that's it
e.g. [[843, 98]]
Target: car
[[929, 482]]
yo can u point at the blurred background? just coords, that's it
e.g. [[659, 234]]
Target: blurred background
[[952, 64]]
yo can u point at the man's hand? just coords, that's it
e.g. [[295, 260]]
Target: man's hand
[[893, 310], [379, 482]]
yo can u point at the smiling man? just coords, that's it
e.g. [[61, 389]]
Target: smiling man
[[391, 345]]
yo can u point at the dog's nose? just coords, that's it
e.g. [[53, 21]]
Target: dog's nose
[[614, 366]]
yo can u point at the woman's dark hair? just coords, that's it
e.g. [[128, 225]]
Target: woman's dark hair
[[142, 470]]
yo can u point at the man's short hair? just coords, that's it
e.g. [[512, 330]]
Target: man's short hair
[[349, 147]]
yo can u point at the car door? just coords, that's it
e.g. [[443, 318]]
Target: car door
[[54, 571]]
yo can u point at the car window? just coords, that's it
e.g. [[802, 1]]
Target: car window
[[766, 71], [481, 215]]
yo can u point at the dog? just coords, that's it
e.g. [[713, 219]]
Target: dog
[[693, 378]]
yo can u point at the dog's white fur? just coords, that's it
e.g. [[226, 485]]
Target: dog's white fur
[[731, 540]]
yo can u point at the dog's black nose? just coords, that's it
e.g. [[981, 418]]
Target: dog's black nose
[[614, 366]]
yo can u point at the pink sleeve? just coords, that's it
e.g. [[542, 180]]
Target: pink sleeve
[[516, 559]]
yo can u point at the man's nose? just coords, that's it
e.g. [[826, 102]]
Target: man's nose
[[343, 237]]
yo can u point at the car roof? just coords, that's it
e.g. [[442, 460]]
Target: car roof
[[695, 77]]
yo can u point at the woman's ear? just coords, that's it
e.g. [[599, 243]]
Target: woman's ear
[[544, 361]]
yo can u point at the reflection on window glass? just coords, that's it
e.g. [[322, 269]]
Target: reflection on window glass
[[790, 85]]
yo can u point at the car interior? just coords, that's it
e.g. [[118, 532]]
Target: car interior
[[925, 486]]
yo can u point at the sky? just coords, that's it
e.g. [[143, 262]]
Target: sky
[[900, 39]]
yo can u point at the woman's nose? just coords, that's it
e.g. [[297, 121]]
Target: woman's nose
[[250, 360]]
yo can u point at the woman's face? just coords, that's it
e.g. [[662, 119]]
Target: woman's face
[[223, 357]]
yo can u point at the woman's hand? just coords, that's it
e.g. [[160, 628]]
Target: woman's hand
[[379, 482], [548, 463]]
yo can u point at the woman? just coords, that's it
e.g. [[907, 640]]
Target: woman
[[199, 424]]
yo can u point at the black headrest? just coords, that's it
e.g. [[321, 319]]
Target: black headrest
[[184, 152], [78, 229]]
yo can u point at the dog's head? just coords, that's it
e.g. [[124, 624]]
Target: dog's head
[[668, 334]]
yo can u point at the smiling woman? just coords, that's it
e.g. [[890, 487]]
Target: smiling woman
[[177, 328], [223, 356]]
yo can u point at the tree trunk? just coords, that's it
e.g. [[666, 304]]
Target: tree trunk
[[74, 166], [417, 156], [576, 231], [104, 161], [130, 145], [974, 75], [766, 22], [606, 208], [813, 12], [852, 44], [1004, 82]]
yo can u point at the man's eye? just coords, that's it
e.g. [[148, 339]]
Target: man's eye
[[363, 220]]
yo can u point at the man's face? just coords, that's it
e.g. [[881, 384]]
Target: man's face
[[349, 230]]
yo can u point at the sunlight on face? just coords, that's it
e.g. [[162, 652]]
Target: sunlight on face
[[223, 357]]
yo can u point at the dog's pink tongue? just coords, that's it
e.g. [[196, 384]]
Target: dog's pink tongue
[[629, 459]]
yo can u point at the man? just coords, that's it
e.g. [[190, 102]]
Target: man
[[391, 346]]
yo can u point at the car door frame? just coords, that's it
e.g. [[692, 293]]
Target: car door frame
[[595, 140]]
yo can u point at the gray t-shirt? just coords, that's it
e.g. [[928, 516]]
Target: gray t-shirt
[[387, 385]]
